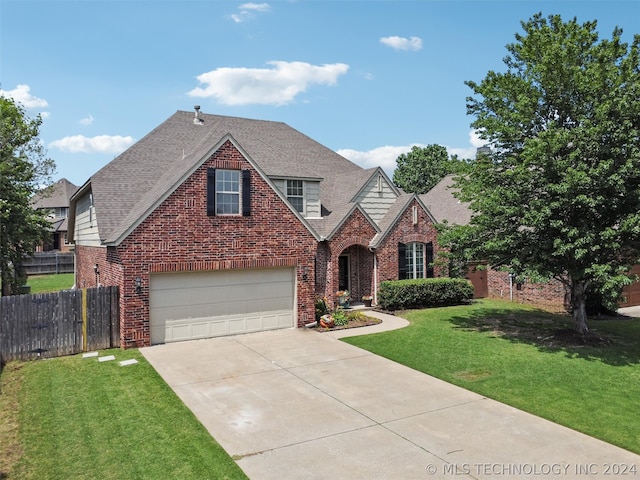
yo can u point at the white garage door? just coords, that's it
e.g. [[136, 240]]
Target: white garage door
[[185, 306]]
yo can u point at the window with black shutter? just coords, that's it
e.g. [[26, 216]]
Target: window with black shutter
[[211, 191], [430, 260], [246, 193], [402, 261], [228, 191]]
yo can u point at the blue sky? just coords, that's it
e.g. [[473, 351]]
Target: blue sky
[[367, 79]]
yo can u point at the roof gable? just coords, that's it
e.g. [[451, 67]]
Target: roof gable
[[127, 189], [443, 204], [56, 195], [394, 214]]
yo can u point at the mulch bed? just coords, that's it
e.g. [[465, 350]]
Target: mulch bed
[[360, 320]]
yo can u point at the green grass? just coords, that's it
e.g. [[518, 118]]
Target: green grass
[[50, 283], [529, 359], [78, 418]]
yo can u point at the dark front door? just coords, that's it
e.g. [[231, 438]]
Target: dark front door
[[343, 272]]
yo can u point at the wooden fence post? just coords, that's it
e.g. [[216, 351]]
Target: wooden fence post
[[84, 319]]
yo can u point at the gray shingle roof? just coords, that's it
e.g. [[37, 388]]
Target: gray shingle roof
[[129, 187], [56, 195], [443, 205]]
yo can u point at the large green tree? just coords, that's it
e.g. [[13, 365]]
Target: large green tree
[[419, 170], [24, 168], [559, 196]]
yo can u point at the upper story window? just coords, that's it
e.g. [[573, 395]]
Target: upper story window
[[295, 194], [227, 192], [60, 212]]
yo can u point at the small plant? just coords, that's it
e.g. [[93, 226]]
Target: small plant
[[321, 307], [340, 318]]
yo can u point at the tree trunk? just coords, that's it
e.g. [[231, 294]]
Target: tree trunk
[[579, 305]]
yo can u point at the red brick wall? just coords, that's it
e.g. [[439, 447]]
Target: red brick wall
[[405, 232], [87, 258], [179, 236], [549, 294]]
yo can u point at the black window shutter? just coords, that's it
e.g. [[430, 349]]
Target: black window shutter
[[402, 261], [211, 191], [430, 260], [246, 193]]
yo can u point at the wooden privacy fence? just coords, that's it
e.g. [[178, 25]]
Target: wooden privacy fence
[[48, 262], [54, 324]]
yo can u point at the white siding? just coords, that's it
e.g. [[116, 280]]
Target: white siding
[[86, 228], [311, 196], [376, 197], [282, 185]]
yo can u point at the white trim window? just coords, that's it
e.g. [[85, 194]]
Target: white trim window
[[227, 192], [295, 194], [414, 255]]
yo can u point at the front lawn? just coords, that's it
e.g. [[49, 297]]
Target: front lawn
[[531, 360], [78, 418]]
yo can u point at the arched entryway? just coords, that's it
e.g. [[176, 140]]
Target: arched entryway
[[354, 266]]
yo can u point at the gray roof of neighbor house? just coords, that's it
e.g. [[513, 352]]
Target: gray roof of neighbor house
[[127, 189], [56, 195], [443, 205]]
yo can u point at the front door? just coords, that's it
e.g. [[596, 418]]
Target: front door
[[343, 272]]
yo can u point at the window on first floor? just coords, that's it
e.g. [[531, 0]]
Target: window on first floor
[[295, 194], [415, 260]]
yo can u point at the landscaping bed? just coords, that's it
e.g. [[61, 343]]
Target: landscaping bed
[[353, 320]]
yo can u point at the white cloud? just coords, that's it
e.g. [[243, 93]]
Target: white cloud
[[21, 94], [275, 86], [384, 157], [402, 43], [247, 11], [87, 120], [475, 140], [98, 144], [469, 152]]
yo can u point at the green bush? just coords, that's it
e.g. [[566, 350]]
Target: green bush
[[424, 292], [340, 317]]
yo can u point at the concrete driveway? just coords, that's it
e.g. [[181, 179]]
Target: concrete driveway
[[300, 404]]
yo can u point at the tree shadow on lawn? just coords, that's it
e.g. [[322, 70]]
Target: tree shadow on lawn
[[614, 340]]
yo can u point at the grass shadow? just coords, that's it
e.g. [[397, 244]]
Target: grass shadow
[[613, 340]]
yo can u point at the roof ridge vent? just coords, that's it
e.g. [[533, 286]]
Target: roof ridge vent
[[197, 120]]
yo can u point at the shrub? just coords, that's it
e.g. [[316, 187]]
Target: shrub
[[340, 317], [424, 292]]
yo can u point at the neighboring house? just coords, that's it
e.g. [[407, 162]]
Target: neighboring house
[[487, 282], [215, 225], [55, 200]]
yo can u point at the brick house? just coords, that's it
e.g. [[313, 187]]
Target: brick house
[[214, 225], [489, 282], [55, 199]]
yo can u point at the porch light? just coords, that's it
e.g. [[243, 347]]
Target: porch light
[[138, 284]]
